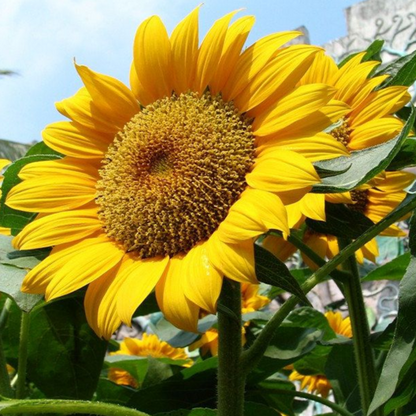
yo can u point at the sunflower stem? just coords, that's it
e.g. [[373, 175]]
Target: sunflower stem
[[4, 316], [253, 355], [230, 379], [363, 353], [5, 387], [66, 407], [22, 365]]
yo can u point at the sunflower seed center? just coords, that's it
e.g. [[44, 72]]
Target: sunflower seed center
[[171, 175]]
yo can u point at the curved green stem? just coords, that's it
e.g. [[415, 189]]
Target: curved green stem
[[5, 313], [230, 380], [252, 356], [65, 407], [293, 393], [22, 365], [5, 387]]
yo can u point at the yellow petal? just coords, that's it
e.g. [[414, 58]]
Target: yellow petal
[[202, 282], [374, 132], [40, 276], [279, 170], [58, 228], [184, 40], [176, 307], [234, 41], [87, 170], [74, 140], [252, 60], [101, 300], [51, 194], [82, 109], [5, 231], [294, 214], [279, 247], [347, 68], [321, 146], [341, 198], [278, 77], [153, 60], [84, 266], [396, 181], [110, 95], [368, 87], [140, 279], [300, 103], [319, 244], [210, 52], [255, 213], [4, 163], [322, 70], [137, 88], [313, 206], [377, 105], [235, 261]]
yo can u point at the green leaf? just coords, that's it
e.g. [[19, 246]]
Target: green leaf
[[270, 391], [373, 53], [26, 259], [341, 222], [310, 318], [364, 164], [136, 366], [393, 270], [406, 157], [192, 387], [270, 270], [9, 217], [65, 357], [340, 370], [404, 337], [173, 336], [402, 71], [109, 392], [288, 345], [256, 409], [314, 362]]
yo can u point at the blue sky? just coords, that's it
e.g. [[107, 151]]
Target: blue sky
[[40, 38]]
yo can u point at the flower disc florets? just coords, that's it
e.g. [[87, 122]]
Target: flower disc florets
[[173, 172]]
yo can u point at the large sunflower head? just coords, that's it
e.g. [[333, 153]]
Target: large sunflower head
[[168, 182]]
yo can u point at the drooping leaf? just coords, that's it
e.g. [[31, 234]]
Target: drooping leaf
[[174, 336], [340, 370], [393, 270], [406, 157], [9, 217], [402, 71], [26, 259], [364, 164], [341, 222], [404, 337], [65, 357], [270, 270], [288, 345]]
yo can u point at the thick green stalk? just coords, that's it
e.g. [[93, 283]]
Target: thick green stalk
[[5, 313], [363, 353], [230, 379], [65, 407], [252, 356], [22, 364], [293, 393]]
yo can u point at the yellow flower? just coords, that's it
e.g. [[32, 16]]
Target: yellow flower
[[149, 346], [167, 184], [318, 383], [250, 301], [3, 164], [375, 202]]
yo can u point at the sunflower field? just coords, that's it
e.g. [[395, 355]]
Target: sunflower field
[[159, 247]]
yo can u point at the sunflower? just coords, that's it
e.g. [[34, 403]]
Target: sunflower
[[3, 164], [375, 202], [318, 383], [165, 185], [149, 346], [251, 301]]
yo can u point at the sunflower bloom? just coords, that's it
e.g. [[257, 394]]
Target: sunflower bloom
[[149, 346], [318, 383], [251, 301], [165, 185]]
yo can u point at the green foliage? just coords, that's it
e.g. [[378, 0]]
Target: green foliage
[[66, 359], [402, 71], [270, 270], [363, 164], [9, 217]]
